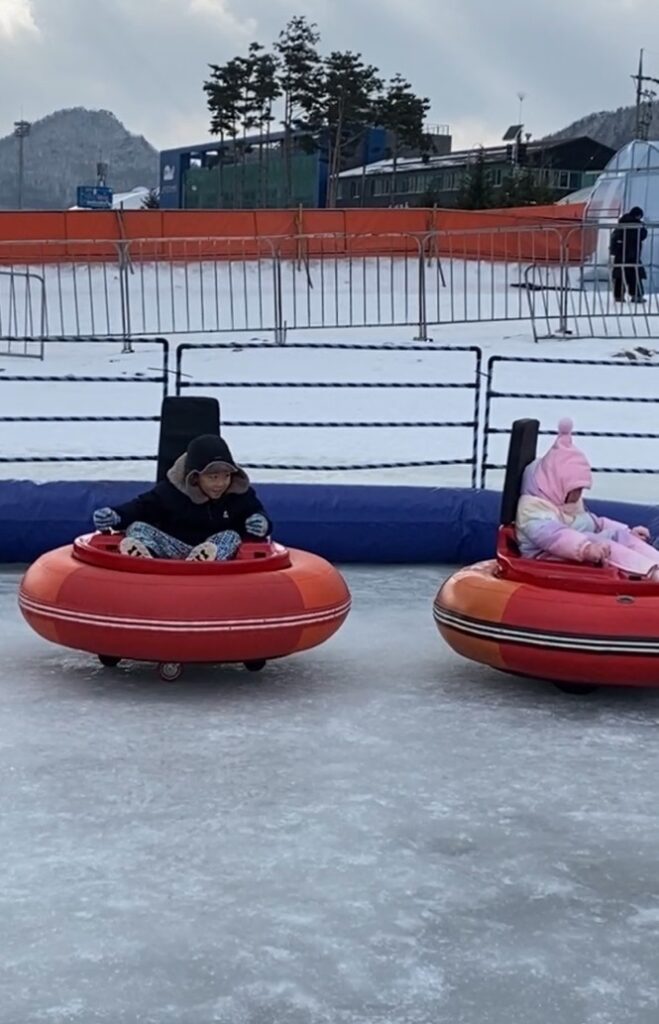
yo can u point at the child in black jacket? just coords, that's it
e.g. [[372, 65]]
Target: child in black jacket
[[201, 511]]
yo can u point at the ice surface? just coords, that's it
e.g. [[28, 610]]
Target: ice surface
[[375, 832]]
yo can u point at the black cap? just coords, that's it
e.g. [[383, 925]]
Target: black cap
[[208, 450]]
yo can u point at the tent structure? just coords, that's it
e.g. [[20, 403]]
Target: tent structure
[[630, 179]]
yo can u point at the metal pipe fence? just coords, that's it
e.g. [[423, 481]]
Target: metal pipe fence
[[278, 285], [559, 276], [23, 314], [467, 387], [389, 398], [38, 385], [613, 384]]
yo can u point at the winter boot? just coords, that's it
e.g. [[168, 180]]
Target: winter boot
[[206, 552], [134, 548]]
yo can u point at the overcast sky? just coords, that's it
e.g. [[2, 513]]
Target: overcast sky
[[146, 59]]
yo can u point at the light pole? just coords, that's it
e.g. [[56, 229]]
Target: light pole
[[21, 131]]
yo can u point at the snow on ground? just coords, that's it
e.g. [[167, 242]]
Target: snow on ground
[[376, 832], [339, 295]]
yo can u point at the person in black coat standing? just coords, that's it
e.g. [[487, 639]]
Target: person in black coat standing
[[202, 511], [626, 248]]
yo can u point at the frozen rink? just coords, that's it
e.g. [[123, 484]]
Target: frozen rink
[[372, 833]]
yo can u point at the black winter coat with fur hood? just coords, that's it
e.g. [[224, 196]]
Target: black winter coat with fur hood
[[177, 506]]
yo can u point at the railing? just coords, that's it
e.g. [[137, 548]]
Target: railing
[[460, 396], [338, 410], [19, 391], [23, 314], [583, 384], [283, 284]]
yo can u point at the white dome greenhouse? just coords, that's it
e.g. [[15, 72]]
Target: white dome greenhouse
[[630, 179]]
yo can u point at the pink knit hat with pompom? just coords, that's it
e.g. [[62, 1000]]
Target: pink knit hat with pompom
[[564, 468]]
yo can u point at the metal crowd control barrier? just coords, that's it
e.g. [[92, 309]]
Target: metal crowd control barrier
[[598, 291], [544, 282], [282, 284], [563, 400], [23, 316], [471, 386], [11, 380]]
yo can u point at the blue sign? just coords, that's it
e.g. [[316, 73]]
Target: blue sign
[[95, 197]]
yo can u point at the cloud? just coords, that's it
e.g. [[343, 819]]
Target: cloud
[[16, 17], [147, 61]]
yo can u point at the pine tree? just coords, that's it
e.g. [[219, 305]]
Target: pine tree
[[351, 94], [521, 188], [327, 103], [266, 90], [300, 82], [223, 98], [476, 192], [151, 200], [403, 114]]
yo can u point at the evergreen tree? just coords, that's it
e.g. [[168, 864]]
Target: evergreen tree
[[223, 97], [521, 188], [300, 82], [476, 191], [350, 97], [326, 102], [266, 90], [151, 201], [403, 114]]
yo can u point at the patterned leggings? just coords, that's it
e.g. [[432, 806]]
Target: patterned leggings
[[161, 545]]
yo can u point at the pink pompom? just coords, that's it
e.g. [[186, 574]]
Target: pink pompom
[[565, 426]]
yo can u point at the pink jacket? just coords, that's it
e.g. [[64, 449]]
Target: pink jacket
[[546, 523]]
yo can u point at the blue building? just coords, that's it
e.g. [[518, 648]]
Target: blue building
[[259, 171]]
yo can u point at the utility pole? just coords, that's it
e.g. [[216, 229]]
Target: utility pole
[[644, 100], [21, 131], [521, 96]]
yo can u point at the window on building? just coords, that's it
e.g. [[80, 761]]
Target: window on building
[[450, 181], [563, 179], [355, 190], [575, 180], [382, 186], [403, 183]]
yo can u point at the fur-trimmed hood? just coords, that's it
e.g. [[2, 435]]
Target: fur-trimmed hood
[[204, 453]]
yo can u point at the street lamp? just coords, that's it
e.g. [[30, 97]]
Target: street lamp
[[21, 131]]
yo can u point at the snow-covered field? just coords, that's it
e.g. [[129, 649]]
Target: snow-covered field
[[484, 291]]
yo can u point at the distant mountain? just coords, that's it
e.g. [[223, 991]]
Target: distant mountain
[[615, 128], [62, 151]]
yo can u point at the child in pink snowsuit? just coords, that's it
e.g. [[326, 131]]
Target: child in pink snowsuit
[[552, 520]]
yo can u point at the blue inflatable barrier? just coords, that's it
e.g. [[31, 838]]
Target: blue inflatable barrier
[[343, 523]]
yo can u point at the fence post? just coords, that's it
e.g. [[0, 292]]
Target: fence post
[[477, 415], [423, 309], [280, 326], [486, 420], [564, 284], [124, 260]]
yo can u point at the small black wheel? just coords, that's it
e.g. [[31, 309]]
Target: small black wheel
[[170, 671], [107, 661], [576, 689], [255, 666]]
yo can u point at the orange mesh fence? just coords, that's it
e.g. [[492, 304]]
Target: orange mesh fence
[[84, 236]]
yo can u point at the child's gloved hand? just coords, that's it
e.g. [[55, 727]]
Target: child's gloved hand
[[642, 532], [257, 525], [106, 519], [596, 552]]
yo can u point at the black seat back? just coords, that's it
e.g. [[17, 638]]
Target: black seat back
[[522, 450], [181, 420]]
